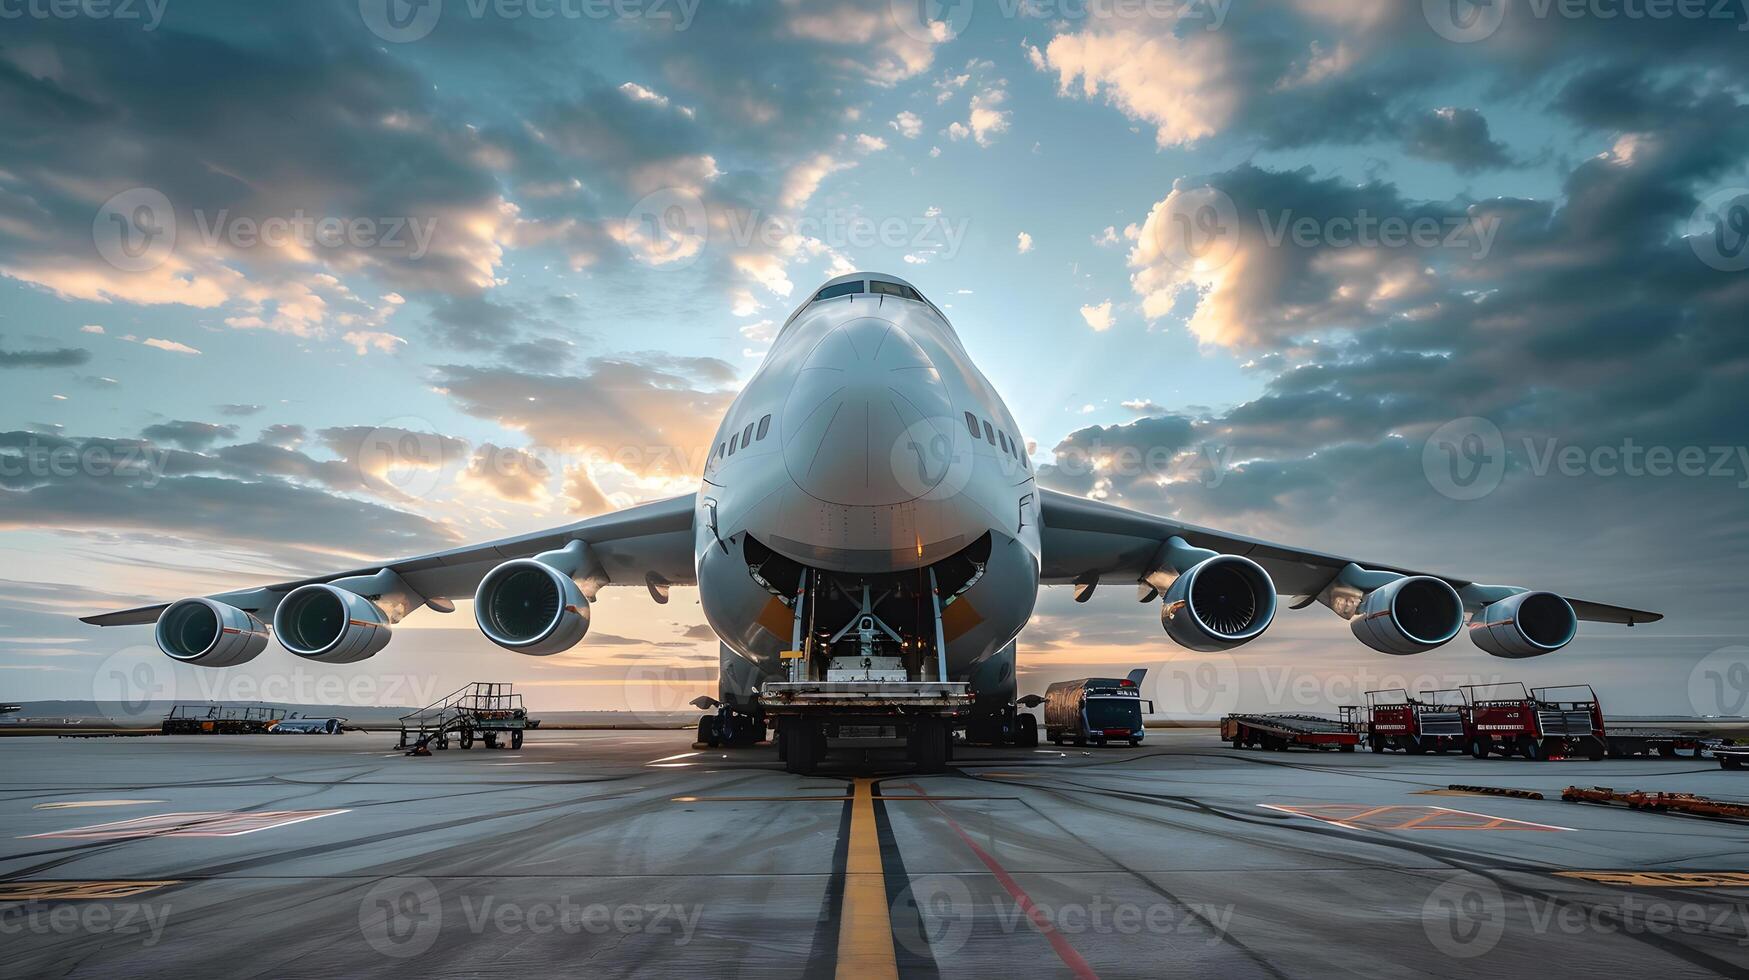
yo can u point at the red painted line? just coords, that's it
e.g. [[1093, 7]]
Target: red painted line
[[1065, 952]]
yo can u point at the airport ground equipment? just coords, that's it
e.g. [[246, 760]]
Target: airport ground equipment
[[483, 711], [1392, 719], [727, 724], [1278, 732], [866, 664], [1688, 803], [1507, 719], [1620, 741], [1558, 722], [220, 719], [1096, 710], [1732, 756], [309, 726], [1522, 794]]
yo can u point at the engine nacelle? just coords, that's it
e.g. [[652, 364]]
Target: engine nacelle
[[330, 625], [1412, 614], [1218, 603], [210, 634], [531, 607], [1528, 624]]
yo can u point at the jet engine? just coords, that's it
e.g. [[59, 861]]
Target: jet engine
[[1412, 614], [210, 634], [1528, 624], [1218, 603], [534, 605], [330, 625]]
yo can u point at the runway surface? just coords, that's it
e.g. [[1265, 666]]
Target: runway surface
[[614, 853]]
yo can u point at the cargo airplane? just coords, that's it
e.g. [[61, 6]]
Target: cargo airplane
[[868, 539]]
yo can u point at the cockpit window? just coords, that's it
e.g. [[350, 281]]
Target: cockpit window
[[840, 289], [764, 426], [893, 289], [972, 424], [747, 436], [989, 433]]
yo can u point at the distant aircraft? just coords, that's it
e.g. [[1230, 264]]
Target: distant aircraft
[[868, 541]]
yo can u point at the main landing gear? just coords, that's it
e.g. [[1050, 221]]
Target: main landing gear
[[728, 725]]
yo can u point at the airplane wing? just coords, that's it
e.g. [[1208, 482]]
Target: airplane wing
[[647, 544], [1086, 540]]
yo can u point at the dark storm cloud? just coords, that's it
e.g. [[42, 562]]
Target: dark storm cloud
[[59, 357], [188, 435], [1455, 136]]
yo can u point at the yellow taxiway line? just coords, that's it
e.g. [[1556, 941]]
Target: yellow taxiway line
[[865, 928]]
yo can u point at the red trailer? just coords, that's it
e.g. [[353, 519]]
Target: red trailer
[[1507, 719], [1282, 731], [1433, 722], [1619, 741]]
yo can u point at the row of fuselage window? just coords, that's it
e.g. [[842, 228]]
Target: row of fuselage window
[[757, 431], [754, 432], [996, 437]]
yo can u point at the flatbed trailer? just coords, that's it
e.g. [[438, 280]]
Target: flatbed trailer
[[220, 719], [1279, 732], [1392, 719], [1559, 722]]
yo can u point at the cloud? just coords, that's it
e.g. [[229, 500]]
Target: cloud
[[239, 411], [508, 474], [908, 124], [1098, 316], [173, 346], [188, 435], [365, 341], [985, 118], [869, 143], [1455, 136], [651, 415], [59, 357], [1023, 243]]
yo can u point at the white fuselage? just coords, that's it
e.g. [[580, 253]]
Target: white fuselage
[[852, 452]]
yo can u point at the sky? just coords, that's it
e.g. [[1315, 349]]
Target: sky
[[292, 287]]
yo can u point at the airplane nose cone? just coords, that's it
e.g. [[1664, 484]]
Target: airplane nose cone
[[869, 420]]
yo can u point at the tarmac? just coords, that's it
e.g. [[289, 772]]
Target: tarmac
[[622, 853]]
